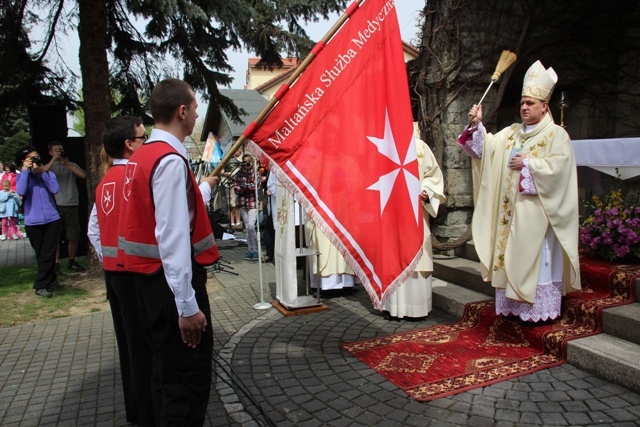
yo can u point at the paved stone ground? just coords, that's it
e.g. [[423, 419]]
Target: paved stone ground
[[64, 372]]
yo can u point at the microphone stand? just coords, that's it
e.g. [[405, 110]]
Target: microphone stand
[[221, 266], [226, 179], [262, 305]]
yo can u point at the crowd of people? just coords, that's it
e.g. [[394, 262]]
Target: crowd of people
[[10, 203], [149, 230]]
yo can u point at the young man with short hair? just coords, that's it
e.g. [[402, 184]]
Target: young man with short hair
[[121, 137], [166, 240]]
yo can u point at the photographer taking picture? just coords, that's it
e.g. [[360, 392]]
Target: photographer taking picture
[[37, 187], [67, 199]]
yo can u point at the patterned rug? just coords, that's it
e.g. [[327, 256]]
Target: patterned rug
[[483, 349]]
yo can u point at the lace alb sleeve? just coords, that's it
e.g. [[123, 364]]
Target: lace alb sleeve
[[527, 186], [471, 140]]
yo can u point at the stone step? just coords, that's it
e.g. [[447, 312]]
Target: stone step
[[467, 251], [452, 298], [608, 357], [461, 271], [612, 358], [623, 322]]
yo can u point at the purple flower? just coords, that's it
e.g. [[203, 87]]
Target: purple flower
[[633, 237], [621, 251], [612, 231]]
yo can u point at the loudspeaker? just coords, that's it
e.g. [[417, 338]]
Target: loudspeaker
[[47, 123]]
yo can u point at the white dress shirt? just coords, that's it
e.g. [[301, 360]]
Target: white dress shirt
[[174, 213]]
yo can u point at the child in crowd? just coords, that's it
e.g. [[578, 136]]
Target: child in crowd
[[10, 173], [9, 204]]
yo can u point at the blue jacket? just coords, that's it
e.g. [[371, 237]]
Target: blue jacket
[[37, 191], [9, 204]]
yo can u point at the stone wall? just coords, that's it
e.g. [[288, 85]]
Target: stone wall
[[596, 60], [454, 218]]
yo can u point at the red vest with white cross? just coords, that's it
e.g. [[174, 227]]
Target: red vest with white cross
[[137, 239], [108, 205]]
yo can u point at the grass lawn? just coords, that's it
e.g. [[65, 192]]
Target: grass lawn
[[19, 304]]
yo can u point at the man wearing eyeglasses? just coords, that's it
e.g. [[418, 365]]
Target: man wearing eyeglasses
[[121, 138], [67, 200], [166, 240]]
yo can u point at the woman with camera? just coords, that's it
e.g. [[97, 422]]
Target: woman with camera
[[41, 219]]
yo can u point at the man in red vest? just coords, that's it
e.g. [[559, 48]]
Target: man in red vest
[[165, 239], [121, 137]]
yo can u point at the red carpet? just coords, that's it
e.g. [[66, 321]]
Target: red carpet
[[483, 349]]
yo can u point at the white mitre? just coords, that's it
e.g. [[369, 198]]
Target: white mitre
[[539, 82]]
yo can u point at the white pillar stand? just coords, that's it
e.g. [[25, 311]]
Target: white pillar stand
[[286, 254]]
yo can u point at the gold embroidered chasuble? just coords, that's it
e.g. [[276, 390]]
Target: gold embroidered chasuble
[[509, 227]]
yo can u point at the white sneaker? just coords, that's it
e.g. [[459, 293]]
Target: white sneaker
[[3, 237], [15, 237]]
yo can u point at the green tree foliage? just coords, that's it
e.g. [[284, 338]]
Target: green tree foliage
[[196, 35], [14, 133], [77, 115], [143, 37], [24, 76]]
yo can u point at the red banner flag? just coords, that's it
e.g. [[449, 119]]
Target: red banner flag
[[341, 140]]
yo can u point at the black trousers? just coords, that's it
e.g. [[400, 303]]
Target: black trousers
[[44, 241], [181, 378], [133, 348], [269, 237]]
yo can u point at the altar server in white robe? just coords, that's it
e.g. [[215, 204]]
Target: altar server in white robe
[[329, 270], [525, 222], [413, 298]]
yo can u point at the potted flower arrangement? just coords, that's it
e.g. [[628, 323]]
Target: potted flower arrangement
[[612, 229]]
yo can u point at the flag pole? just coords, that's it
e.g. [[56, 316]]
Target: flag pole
[[298, 70], [262, 305]]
